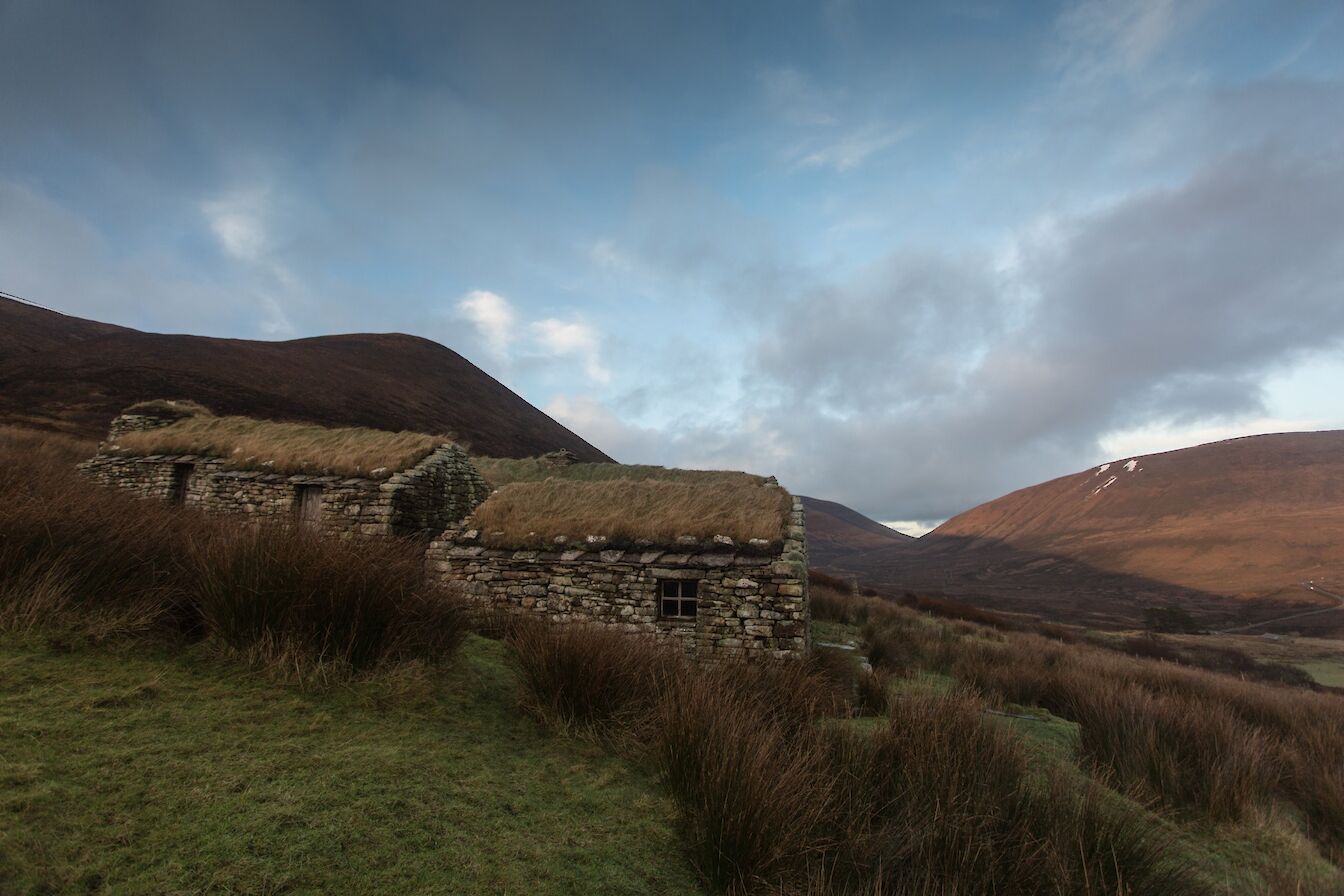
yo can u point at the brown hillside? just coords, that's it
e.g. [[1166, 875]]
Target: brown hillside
[[72, 375], [835, 531], [1247, 518]]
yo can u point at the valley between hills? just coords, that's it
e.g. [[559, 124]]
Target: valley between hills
[[1231, 531], [1122, 681]]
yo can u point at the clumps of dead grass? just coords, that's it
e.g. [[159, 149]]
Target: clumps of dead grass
[[777, 795], [284, 447], [528, 514]]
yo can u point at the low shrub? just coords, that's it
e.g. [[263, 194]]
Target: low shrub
[[73, 556], [755, 809], [950, 608], [286, 591], [832, 604], [934, 802], [897, 644], [817, 578], [592, 678], [1180, 751], [872, 693], [835, 605]]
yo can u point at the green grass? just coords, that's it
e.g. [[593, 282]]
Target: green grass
[[152, 772], [1049, 737], [1327, 672], [826, 631]]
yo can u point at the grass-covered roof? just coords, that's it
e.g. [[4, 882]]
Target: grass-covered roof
[[284, 447], [625, 504]]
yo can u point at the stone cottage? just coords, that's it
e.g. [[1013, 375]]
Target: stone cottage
[[716, 596], [317, 476]]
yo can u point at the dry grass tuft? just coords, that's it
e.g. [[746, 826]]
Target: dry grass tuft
[[589, 679], [1186, 737], [534, 513], [281, 447]]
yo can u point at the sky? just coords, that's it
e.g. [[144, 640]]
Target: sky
[[907, 257]]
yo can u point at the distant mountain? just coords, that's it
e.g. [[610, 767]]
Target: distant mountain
[[1248, 518], [835, 531], [72, 375]]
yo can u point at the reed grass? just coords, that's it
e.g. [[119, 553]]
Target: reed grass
[[776, 795]]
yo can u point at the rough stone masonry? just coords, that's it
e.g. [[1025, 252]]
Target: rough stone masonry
[[726, 601], [422, 500]]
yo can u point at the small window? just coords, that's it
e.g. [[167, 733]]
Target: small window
[[308, 504], [177, 492], [677, 598]]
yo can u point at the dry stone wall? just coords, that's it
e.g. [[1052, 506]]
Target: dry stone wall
[[440, 491], [436, 493], [138, 423], [750, 603], [157, 476]]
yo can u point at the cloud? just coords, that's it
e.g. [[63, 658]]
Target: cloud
[[53, 255], [573, 339], [606, 255], [493, 316], [626, 442], [1103, 38], [796, 98], [931, 380], [1153, 438], [238, 223], [538, 342], [830, 132], [1168, 306], [850, 150], [695, 439], [1107, 225], [915, 528]]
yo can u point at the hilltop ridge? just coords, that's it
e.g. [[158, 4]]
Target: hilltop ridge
[[71, 375], [1248, 519]]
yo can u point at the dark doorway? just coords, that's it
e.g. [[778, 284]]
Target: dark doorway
[[182, 475], [308, 505]]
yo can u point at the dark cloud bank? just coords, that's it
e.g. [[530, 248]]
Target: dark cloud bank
[[932, 382]]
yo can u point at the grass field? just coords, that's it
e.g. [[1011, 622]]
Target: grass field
[[145, 771], [189, 706], [1327, 672]]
